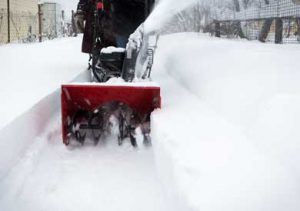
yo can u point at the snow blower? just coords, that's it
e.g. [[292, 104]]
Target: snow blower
[[87, 108]]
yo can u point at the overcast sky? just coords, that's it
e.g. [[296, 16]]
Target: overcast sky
[[67, 5]]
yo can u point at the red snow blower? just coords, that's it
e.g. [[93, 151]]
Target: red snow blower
[[87, 108]]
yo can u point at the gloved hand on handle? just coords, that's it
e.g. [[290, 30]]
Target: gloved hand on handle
[[80, 17]]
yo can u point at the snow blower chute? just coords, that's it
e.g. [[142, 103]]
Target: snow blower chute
[[87, 108]]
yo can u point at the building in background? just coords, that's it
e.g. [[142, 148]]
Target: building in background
[[52, 20], [29, 20], [23, 19]]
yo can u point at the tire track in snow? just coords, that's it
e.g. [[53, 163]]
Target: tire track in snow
[[51, 176]]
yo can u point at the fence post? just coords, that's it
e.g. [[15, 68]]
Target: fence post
[[298, 26], [278, 30], [8, 21], [40, 22], [73, 25], [63, 23], [265, 30], [217, 29]]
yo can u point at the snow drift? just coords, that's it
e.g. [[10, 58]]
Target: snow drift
[[30, 72], [17, 136], [227, 135]]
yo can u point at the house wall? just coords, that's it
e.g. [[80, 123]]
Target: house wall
[[3, 21], [51, 19], [23, 19]]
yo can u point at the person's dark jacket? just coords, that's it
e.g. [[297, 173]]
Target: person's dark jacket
[[127, 15], [123, 17]]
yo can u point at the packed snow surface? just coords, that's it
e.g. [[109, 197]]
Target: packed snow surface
[[226, 138], [51, 176]]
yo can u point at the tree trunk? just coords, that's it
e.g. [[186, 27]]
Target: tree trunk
[[265, 30], [289, 29], [278, 30], [217, 29], [239, 29], [298, 26], [236, 4]]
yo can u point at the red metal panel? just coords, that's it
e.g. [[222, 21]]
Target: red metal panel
[[99, 5], [143, 99]]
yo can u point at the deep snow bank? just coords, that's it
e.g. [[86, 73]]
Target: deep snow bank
[[30, 72], [227, 137], [17, 136]]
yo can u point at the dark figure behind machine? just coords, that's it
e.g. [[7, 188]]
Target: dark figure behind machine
[[118, 19]]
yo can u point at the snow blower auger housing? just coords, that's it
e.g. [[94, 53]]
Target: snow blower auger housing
[[86, 110]]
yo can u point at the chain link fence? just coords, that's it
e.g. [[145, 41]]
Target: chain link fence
[[265, 20]]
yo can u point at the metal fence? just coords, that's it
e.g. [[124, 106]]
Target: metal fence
[[265, 20]]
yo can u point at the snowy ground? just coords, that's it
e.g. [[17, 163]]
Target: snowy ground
[[227, 136], [107, 177], [37, 172], [30, 72]]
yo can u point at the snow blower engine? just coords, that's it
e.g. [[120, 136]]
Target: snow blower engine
[[89, 109]]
